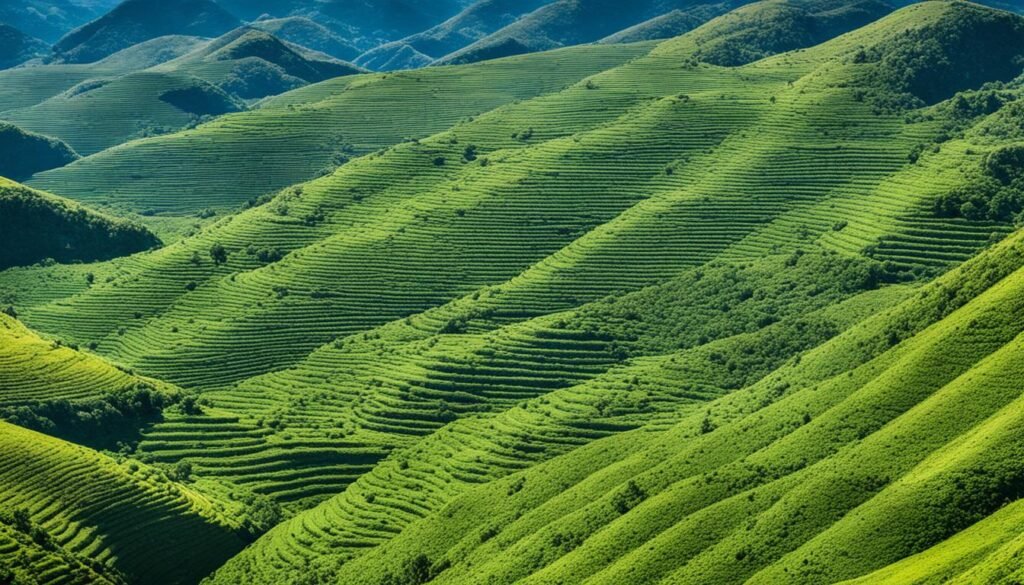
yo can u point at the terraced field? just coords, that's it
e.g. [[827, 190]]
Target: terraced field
[[122, 514], [629, 318], [292, 138], [34, 369]]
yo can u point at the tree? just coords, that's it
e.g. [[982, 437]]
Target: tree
[[218, 254], [10, 312], [182, 471]]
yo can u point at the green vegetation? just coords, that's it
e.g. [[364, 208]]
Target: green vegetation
[[234, 159], [37, 226], [16, 47], [707, 310], [136, 21], [25, 153]]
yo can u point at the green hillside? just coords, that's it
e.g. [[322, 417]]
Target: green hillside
[[215, 78], [23, 154], [902, 428], [740, 306], [310, 131], [16, 47], [123, 515], [136, 21], [37, 226], [27, 86]]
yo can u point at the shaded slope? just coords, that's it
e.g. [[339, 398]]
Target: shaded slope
[[37, 226], [122, 514], [307, 33], [51, 19], [668, 25], [475, 22], [135, 21], [22, 154], [16, 47]]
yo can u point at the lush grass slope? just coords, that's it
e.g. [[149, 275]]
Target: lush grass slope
[[902, 428], [294, 137], [37, 226], [556, 341], [39, 370], [125, 515], [338, 256]]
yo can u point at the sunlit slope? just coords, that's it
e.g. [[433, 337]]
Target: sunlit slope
[[122, 514], [293, 137], [533, 391], [904, 428], [23, 560], [34, 369]]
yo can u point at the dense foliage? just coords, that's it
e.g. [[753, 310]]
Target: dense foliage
[[35, 227], [929, 64], [993, 192], [109, 422], [23, 154]]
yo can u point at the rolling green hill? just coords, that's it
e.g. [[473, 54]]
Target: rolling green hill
[[902, 428], [215, 78], [301, 277], [22, 154], [16, 47], [135, 21], [294, 137], [706, 310], [37, 226]]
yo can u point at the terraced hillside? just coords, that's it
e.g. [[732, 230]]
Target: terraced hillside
[[274, 305], [128, 517], [902, 427], [688, 312], [37, 226], [312, 130]]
